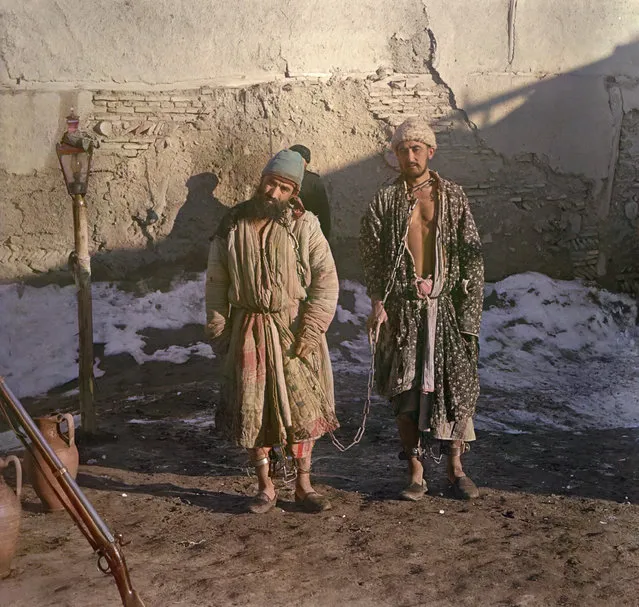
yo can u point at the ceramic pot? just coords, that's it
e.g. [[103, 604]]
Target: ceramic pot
[[9, 515], [44, 482]]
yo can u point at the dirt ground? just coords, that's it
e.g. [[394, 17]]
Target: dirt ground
[[556, 524]]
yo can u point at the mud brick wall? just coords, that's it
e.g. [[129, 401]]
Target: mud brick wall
[[170, 162]]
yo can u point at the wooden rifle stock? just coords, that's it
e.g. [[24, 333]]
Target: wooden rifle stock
[[110, 557]]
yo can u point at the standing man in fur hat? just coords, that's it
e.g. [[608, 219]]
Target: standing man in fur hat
[[423, 266], [271, 293]]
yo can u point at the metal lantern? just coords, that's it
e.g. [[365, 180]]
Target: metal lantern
[[74, 153]]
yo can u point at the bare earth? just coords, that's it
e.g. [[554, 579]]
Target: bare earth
[[556, 523]]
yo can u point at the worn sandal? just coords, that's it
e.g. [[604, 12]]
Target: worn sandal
[[313, 502], [261, 503], [414, 492], [464, 489]]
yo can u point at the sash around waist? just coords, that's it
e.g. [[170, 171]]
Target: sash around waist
[[254, 310]]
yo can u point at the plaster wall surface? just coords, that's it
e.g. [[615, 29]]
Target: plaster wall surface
[[174, 41], [531, 100]]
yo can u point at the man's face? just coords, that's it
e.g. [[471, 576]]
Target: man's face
[[413, 157], [276, 190], [272, 197]]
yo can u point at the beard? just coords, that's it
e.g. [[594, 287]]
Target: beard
[[415, 172], [262, 206]]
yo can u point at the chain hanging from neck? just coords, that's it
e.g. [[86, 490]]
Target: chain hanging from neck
[[420, 186]]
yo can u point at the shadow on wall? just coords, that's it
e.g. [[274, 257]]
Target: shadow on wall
[[185, 247], [549, 112], [587, 118]]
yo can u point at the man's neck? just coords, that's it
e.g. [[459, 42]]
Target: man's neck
[[260, 223], [419, 182]]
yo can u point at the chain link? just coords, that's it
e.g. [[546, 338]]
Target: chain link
[[367, 408], [373, 342]]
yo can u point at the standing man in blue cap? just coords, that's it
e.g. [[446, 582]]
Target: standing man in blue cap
[[271, 294], [313, 193]]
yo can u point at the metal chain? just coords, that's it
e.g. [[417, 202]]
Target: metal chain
[[367, 407], [402, 247], [435, 458], [373, 344]]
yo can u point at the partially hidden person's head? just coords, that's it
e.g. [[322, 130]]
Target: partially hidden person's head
[[414, 144], [281, 181], [303, 151]]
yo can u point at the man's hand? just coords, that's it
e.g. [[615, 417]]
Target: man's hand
[[375, 321], [303, 350]]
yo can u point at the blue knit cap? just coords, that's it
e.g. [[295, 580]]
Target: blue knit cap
[[287, 164]]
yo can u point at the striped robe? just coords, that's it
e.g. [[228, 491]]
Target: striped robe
[[262, 293]]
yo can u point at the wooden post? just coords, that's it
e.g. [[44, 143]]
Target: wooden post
[[82, 272]]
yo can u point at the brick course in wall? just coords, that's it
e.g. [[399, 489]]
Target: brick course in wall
[[130, 123]]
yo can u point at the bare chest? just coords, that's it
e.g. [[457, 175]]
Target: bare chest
[[424, 214], [421, 233]]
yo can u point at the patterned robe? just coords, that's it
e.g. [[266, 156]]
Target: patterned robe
[[262, 292], [459, 303]]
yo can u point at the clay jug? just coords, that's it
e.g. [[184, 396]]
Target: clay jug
[[44, 482], [9, 516]]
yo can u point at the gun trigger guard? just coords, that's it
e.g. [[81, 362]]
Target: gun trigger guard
[[103, 564]]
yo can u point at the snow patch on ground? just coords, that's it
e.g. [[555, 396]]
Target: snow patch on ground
[[554, 353], [353, 355], [199, 421], [39, 329], [557, 354]]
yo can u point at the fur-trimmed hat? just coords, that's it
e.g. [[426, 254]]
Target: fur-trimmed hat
[[414, 129]]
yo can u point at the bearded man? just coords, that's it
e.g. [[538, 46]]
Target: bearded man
[[423, 266], [271, 293]]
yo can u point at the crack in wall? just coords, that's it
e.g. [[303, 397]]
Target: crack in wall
[[429, 62], [5, 65], [17, 207], [512, 19], [615, 102]]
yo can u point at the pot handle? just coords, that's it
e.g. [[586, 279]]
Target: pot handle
[[16, 462], [71, 425]]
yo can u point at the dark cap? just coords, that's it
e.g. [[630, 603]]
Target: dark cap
[[303, 151]]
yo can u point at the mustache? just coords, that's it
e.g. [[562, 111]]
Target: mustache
[[262, 206]]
